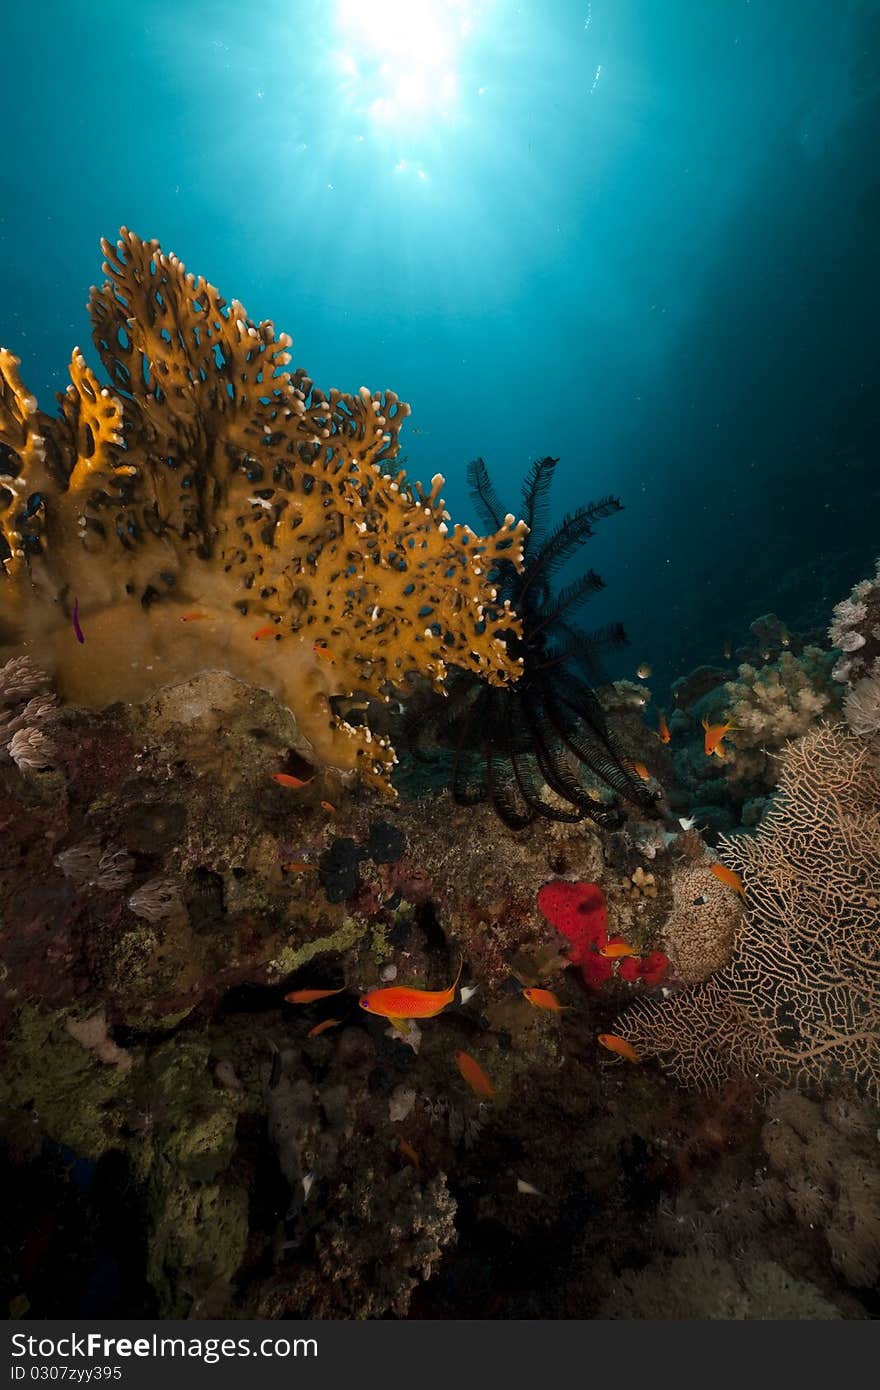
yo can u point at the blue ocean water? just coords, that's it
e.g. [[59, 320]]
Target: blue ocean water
[[637, 235]]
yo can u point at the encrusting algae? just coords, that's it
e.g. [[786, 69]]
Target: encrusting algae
[[209, 480]]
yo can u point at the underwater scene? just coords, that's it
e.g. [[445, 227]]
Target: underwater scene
[[440, 701]]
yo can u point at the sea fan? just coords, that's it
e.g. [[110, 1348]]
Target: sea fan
[[526, 746]]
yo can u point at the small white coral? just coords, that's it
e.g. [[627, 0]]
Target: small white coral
[[92, 1034], [90, 866], [19, 679], [845, 615], [862, 706], [31, 750], [155, 900], [25, 704]]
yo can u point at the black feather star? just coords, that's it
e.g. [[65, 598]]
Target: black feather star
[[526, 746]]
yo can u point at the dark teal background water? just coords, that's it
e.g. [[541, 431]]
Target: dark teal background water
[[640, 235]]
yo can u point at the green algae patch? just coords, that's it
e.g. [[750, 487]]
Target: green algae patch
[[187, 1120], [382, 948], [293, 957], [197, 1239], [74, 1097], [163, 1024]]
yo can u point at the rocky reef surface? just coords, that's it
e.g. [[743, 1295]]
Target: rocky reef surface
[[185, 1141]]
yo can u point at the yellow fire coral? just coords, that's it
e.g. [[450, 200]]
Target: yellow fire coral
[[211, 509]]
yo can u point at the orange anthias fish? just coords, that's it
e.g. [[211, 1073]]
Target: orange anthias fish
[[616, 950], [397, 1002], [728, 877], [713, 740], [662, 730], [284, 779], [618, 1045], [642, 771], [308, 996], [474, 1075], [299, 866], [322, 1027], [323, 651], [329, 808], [192, 617], [409, 1152], [268, 631], [544, 999]]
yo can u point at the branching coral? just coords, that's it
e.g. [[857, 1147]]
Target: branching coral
[[771, 704], [213, 510], [801, 997]]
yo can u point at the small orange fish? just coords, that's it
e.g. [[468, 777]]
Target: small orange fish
[[299, 866], [268, 631], [322, 1027], [284, 779], [728, 877], [398, 1002], [662, 730], [329, 808], [474, 1075], [642, 771], [409, 1152], [616, 950], [308, 996], [618, 1045], [323, 651], [544, 999], [713, 740], [192, 617]]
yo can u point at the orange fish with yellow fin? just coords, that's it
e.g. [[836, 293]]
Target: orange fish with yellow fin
[[713, 742], [616, 950], [397, 1002], [322, 1027], [618, 1045], [728, 877], [308, 996], [544, 999], [474, 1075]]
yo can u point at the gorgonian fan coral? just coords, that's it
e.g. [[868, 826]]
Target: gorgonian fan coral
[[526, 747], [211, 509], [799, 1001]]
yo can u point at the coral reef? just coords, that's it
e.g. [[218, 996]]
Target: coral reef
[[799, 1000], [855, 632], [211, 509], [700, 929], [162, 893], [27, 706], [825, 1158], [768, 705]]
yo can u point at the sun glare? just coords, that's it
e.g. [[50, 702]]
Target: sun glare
[[400, 58]]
